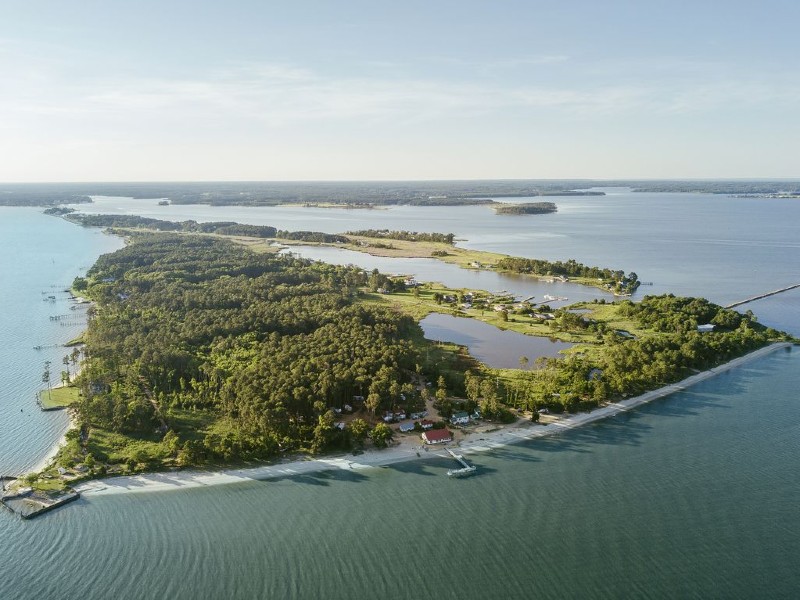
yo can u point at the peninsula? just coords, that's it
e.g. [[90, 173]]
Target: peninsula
[[205, 353]]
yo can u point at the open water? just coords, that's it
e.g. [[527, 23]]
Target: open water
[[694, 495]]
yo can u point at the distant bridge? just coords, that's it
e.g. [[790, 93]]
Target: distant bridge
[[767, 295]]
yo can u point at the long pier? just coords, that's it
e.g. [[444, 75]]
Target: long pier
[[767, 295]]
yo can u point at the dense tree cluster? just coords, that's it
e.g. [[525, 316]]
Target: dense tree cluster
[[527, 208], [672, 313], [411, 236], [618, 281], [630, 366], [312, 236], [34, 196], [268, 343], [190, 226]]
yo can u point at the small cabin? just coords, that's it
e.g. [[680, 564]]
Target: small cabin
[[460, 418]]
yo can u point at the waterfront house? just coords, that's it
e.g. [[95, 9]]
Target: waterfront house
[[437, 436], [460, 418]]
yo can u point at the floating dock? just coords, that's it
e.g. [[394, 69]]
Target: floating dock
[[466, 469]]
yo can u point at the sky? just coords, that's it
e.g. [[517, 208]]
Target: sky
[[174, 90]]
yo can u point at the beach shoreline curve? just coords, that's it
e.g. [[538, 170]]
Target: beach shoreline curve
[[472, 443]]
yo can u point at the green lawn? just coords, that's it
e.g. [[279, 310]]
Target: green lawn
[[59, 397]]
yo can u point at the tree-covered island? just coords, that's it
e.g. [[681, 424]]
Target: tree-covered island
[[201, 351], [527, 208]]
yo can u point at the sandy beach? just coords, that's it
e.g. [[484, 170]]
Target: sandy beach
[[408, 448]]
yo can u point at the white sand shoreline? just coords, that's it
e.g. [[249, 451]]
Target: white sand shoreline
[[406, 451]]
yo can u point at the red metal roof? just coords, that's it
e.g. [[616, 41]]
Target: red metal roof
[[437, 435]]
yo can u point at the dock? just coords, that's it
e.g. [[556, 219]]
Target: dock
[[466, 468], [766, 295], [28, 503]]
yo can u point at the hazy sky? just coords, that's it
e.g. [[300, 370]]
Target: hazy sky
[[256, 90]]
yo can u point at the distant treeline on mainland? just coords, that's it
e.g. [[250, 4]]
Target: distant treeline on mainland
[[380, 193]]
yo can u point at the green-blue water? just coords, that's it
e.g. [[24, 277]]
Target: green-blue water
[[695, 495]]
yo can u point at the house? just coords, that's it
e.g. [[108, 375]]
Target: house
[[418, 415], [426, 424], [460, 418], [705, 328], [388, 416], [406, 427], [340, 425], [437, 436], [400, 414]]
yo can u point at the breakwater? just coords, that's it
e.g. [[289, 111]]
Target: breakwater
[[765, 295]]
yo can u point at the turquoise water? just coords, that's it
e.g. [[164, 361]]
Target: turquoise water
[[694, 495]]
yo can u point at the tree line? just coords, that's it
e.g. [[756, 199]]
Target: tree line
[[618, 281], [410, 236]]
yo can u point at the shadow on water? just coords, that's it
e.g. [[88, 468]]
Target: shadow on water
[[438, 467], [627, 428], [320, 478]]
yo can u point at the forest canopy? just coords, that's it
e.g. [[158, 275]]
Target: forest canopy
[[267, 345]]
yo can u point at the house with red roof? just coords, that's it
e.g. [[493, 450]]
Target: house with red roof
[[437, 436]]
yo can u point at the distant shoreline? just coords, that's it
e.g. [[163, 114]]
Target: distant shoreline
[[408, 449]]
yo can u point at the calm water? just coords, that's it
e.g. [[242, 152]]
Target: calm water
[[692, 496], [722, 248], [492, 346], [37, 254], [453, 276]]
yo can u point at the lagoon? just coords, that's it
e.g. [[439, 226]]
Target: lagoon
[[494, 347], [453, 276]]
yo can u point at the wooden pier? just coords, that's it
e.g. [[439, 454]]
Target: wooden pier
[[766, 295], [466, 468]]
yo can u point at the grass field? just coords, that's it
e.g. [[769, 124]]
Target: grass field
[[59, 397]]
